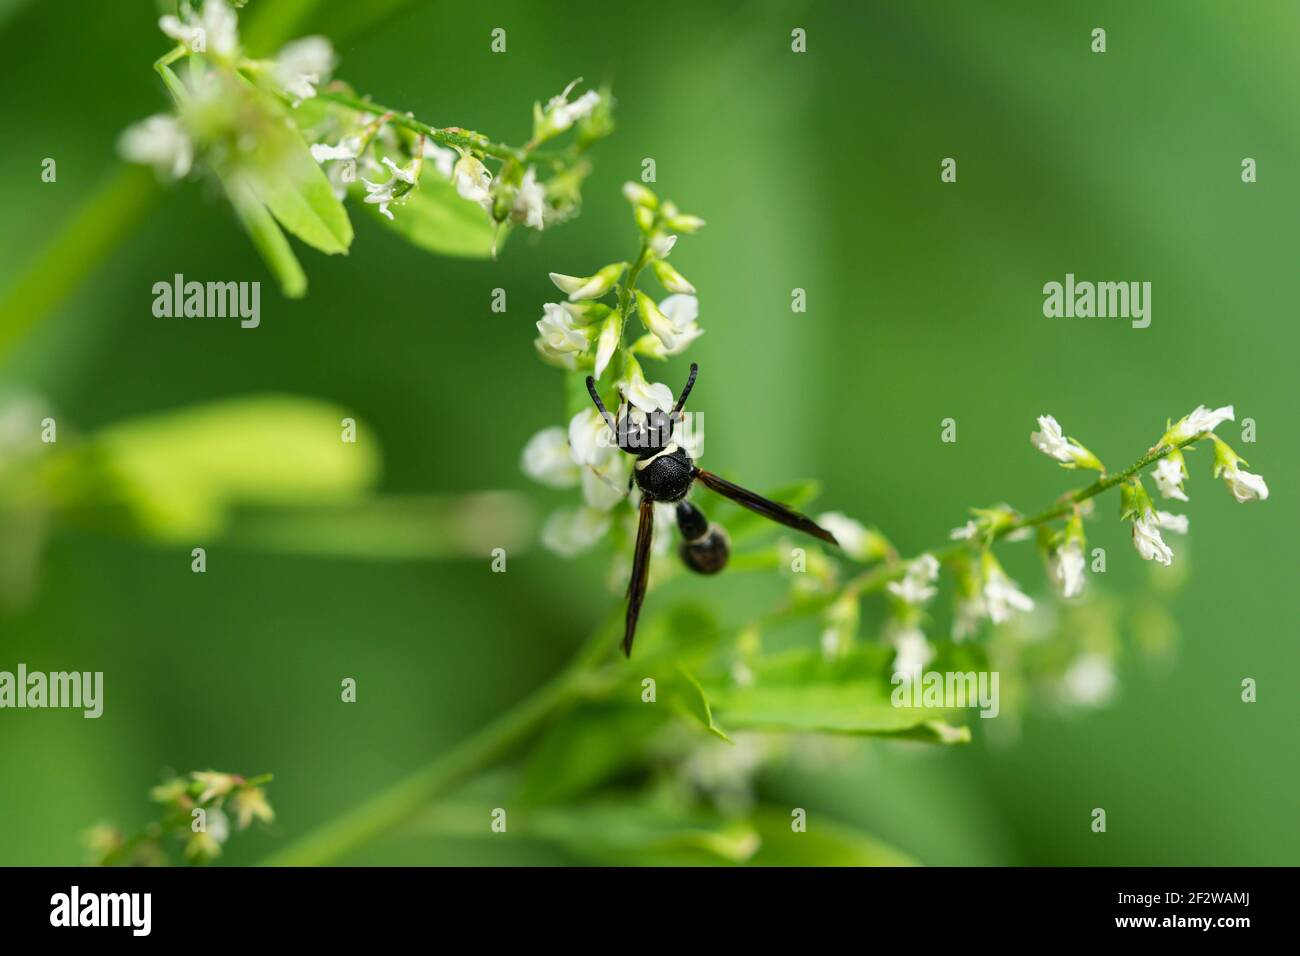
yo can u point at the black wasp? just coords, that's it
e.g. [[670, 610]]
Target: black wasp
[[665, 472]]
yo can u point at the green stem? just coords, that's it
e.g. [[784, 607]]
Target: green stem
[[117, 205], [446, 136], [396, 805], [876, 578]]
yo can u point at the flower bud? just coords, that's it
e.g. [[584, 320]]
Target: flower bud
[[645, 219], [611, 333], [671, 279], [587, 313], [592, 286], [655, 321], [639, 195]]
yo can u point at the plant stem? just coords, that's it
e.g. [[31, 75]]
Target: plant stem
[[117, 205], [396, 805], [447, 136], [876, 578]]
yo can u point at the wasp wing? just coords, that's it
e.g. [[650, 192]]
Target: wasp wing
[[772, 510], [645, 531]]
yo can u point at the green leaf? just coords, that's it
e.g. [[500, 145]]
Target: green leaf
[[802, 690], [685, 632], [586, 748], [287, 180], [267, 238], [823, 843], [689, 698], [180, 474], [627, 833], [436, 219]]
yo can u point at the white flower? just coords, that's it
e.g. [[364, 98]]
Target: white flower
[[854, 539], [473, 181], [381, 194], [301, 65], [1227, 465], [571, 531], [444, 160], [530, 201], [405, 174], [1147, 540], [546, 459], [1172, 522], [913, 652], [1201, 420], [1243, 485], [1052, 443], [1066, 568], [1002, 596], [1090, 680], [967, 615], [606, 488], [560, 114], [559, 339], [916, 586], [216, 31], [1169, 475], [346, 149], [645, 395], [590, 441], [661, 245], [965, 532], [159, 141], [683, 312]]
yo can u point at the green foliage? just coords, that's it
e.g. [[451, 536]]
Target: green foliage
[[180, 474], [803, 690], [283, 175], [436, 219]]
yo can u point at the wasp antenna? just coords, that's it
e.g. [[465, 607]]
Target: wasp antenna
[[690, 384], [600, 406]]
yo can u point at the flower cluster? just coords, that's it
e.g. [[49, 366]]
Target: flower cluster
[[262, 126], [984, 592], [197, 812], [587, 333], [169, 142]]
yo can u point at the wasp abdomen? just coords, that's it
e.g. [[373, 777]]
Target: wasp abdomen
[[705, 547]]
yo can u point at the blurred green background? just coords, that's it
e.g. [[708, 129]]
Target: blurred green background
[[818, 171]]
